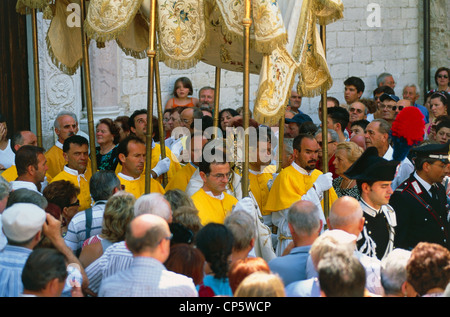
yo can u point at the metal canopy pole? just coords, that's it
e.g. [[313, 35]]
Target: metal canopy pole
[[151, 53], [37, 85], [326, 197], [247, 22], [216, 102], [87, 79], [160, 118]]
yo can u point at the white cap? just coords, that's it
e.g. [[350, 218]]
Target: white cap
[[21, 221]]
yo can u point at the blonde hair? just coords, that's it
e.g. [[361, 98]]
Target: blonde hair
[[353, 151], [119, 211], [261, 284]]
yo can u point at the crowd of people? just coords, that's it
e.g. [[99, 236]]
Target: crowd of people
[[367, 216]]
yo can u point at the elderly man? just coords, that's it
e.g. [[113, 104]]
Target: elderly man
[[421, 202], [148, 238], [377, 135], [305, 224], [299, 181], [374, 176], [333, 140], [358, 111], [385, 79], [411, 92], [295, 102], [347, 214], [388, 107]]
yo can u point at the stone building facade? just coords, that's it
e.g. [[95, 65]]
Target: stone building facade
[[375, 36]]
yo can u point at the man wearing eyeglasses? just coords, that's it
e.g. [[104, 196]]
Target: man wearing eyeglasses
[[358, 111], [212, 200], [388, 107], [421, 203]]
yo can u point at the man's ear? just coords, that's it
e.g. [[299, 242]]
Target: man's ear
[[66, 157], [203, 176], [121, 157]]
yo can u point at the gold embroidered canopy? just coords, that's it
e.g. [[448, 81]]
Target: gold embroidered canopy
[[284, 40]]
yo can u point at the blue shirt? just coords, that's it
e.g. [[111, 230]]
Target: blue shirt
[[221, 287], [12, 261], [291, 267], [305, 288]]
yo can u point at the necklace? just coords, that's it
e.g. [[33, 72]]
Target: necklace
[[348, 184]]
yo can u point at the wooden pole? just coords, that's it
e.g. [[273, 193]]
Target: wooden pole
[[87, 80], [247, 22], [37, 85], [326, 197], [151, 53]]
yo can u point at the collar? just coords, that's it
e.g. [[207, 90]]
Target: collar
[[59, 144], [220, 197], [25, 184], [127, 177], [73, 172], [422, 182], [301, 170], [389, 153], [369, 209]]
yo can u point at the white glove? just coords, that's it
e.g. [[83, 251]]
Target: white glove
[[245, 204], [323, 182], [162, 166]]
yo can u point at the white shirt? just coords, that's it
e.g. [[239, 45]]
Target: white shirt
[[7, 156]]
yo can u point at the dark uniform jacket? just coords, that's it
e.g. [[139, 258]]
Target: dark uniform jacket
[[420, 218]]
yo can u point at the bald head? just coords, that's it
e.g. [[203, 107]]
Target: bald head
[[148, 235], [360, 140], [346, 214]]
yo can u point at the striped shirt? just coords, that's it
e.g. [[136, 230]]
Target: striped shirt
[[12, 261], [76, 232], [115, 258], [147, 277]]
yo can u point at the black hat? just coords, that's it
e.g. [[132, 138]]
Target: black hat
[[385, 96], [372, 167], [433, 151], [299, 118]]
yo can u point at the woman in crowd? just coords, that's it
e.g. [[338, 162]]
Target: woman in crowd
[[62, 201], [119, 211], [108, 136], [346, 154], [428, 270]]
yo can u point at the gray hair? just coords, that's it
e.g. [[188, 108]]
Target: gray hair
[[333, 134], [5, 188], [393, 271], [413, 86], [153, 203], [304, 216], [242, 226], [23, 195], [384, 127], [102, 185], [64, 113], [382, 77]]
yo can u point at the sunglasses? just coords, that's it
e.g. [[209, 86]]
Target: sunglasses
[[442, 76], [77, 203]]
